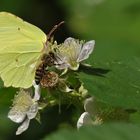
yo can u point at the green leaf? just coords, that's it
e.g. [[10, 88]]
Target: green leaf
[[103, 132], [119, 87], [135, 117], [113, 24]]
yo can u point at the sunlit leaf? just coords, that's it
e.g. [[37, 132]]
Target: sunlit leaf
[[119, 87]]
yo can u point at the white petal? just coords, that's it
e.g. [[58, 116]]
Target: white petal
[[89, 106], [68, 41], [32, 111], [61, 61], [37, 91], [86, 50], [62, 66], [16, 115], [23, 127], [84, 120]]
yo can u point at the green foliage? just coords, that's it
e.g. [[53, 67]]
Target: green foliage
[[112, 131], [119, 87], [113, 79], [113, 24]]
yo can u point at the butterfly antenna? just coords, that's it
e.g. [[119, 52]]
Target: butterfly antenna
[[53, 30]]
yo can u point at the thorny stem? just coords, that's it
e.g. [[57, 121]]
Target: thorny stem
[[53, 30], [49, 36]]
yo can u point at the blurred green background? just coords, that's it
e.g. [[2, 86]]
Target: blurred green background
[[114, 24]]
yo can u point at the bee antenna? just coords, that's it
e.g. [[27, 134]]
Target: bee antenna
[[53, 30]]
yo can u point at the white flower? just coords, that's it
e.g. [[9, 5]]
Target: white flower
[[24, 108], [37, 91], [87, 117], [84, 119], [72, 52]]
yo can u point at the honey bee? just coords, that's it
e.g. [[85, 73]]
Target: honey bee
[[47, 60]]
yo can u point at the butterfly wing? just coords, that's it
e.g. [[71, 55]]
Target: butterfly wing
[[21, 44]]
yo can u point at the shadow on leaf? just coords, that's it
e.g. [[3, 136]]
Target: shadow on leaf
[[93, 71]]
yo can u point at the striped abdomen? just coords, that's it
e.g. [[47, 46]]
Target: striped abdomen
[[47, 61], [39, 73]]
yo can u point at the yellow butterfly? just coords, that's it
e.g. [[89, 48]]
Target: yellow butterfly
[[21, 45]]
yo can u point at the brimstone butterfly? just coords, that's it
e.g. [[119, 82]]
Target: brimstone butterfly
[[21, 45]]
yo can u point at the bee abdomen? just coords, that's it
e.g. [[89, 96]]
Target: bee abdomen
[[47, 61], [39, 74]]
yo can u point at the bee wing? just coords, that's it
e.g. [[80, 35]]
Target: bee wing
[[86, 50]]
